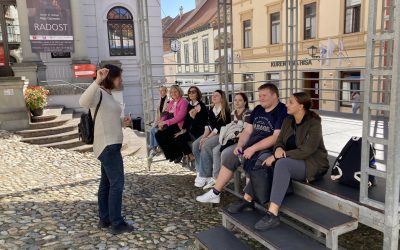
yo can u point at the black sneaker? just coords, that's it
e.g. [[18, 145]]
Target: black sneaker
[[239, 207], [178, 160], [103, 224], [267, 222], [122, 228]]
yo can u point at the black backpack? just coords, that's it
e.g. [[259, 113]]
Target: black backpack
[[86, 125], [347, 166]]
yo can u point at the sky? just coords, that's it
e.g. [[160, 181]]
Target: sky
[[171, 7]]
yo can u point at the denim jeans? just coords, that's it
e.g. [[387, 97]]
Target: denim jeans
[[153, 142], [204, 157], [111, 185]]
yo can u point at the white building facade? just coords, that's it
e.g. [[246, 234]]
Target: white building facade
[[104, 32]]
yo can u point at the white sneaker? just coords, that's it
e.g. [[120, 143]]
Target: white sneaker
[[210, 184], [208, 197], [200, 181]]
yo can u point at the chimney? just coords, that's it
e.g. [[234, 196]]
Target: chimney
[[181, 11]]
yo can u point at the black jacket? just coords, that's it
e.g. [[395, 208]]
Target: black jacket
[[196, 126]]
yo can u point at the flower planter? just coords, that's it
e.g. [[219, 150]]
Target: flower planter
[[37, 112]]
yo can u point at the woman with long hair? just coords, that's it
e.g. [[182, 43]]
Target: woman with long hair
[[171, 123], [239, 116], [218, 116], [195, 121], [107, 146], [299, 154]]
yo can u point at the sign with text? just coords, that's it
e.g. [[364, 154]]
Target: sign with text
[[50, 25], [298, 62], [84, 70]]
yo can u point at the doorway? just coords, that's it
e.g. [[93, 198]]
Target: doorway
[[311, 86]]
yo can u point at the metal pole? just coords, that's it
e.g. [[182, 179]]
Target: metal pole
[[145, 63], [296, 44], [219, 68], [226, 58], [367, 99], [391, 230], [287, 48]]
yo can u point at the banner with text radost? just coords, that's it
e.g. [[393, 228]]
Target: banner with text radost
[[50, 25]]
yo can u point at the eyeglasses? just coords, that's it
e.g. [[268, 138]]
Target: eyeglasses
[[192, 92]]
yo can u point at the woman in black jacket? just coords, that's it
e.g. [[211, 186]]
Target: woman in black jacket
[[195, 122]]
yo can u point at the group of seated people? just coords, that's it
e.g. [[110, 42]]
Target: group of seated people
[[283, 141]]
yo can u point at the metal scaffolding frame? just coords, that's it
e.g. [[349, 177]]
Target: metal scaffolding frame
[[384, 77], [388, 68]]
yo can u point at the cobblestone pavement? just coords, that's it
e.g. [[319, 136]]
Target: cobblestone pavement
[[48, 201]]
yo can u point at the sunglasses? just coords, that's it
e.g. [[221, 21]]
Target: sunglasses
[[192, 92]]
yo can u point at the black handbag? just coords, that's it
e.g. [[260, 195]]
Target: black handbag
[[86, 125], [261, 183], [261, 178]]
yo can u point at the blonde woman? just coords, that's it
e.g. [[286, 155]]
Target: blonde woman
[[218, 116], [171, 123]]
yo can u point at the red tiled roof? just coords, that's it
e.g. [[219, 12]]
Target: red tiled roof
[[171, 31], [202, 16]]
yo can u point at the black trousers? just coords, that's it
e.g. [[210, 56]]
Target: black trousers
[[183, 142], [168, 143]]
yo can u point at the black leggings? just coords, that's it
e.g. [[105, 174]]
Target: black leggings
[[168, 143]]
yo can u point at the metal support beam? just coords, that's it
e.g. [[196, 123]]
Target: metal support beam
[[391, 231], [146, 80]]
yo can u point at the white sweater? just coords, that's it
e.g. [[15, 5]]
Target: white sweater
[[108, 124]]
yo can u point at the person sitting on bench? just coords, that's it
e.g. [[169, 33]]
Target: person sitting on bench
[[161, 108], [239, 117], [194, 124], [219, 115], [299, 154], [255, 142], [171, 123]]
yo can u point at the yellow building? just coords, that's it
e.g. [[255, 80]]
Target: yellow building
[[338, 28]]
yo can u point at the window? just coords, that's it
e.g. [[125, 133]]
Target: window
[[248, 80], [186, 54], [349, 84], [196, 55], [247, 41], [275, 28], [310, 21], [121, 34], [273, 78], [352, 16], [206, 55]]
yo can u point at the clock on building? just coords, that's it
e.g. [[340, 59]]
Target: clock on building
[[175, 45]]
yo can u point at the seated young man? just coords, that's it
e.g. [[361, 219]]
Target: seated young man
[[255, 142]]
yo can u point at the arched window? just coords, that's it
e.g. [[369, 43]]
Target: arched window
[[121, 32]]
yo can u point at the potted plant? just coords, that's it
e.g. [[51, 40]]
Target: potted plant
[[36, 99]]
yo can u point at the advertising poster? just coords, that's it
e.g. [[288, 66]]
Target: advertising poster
[[50, 25]]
